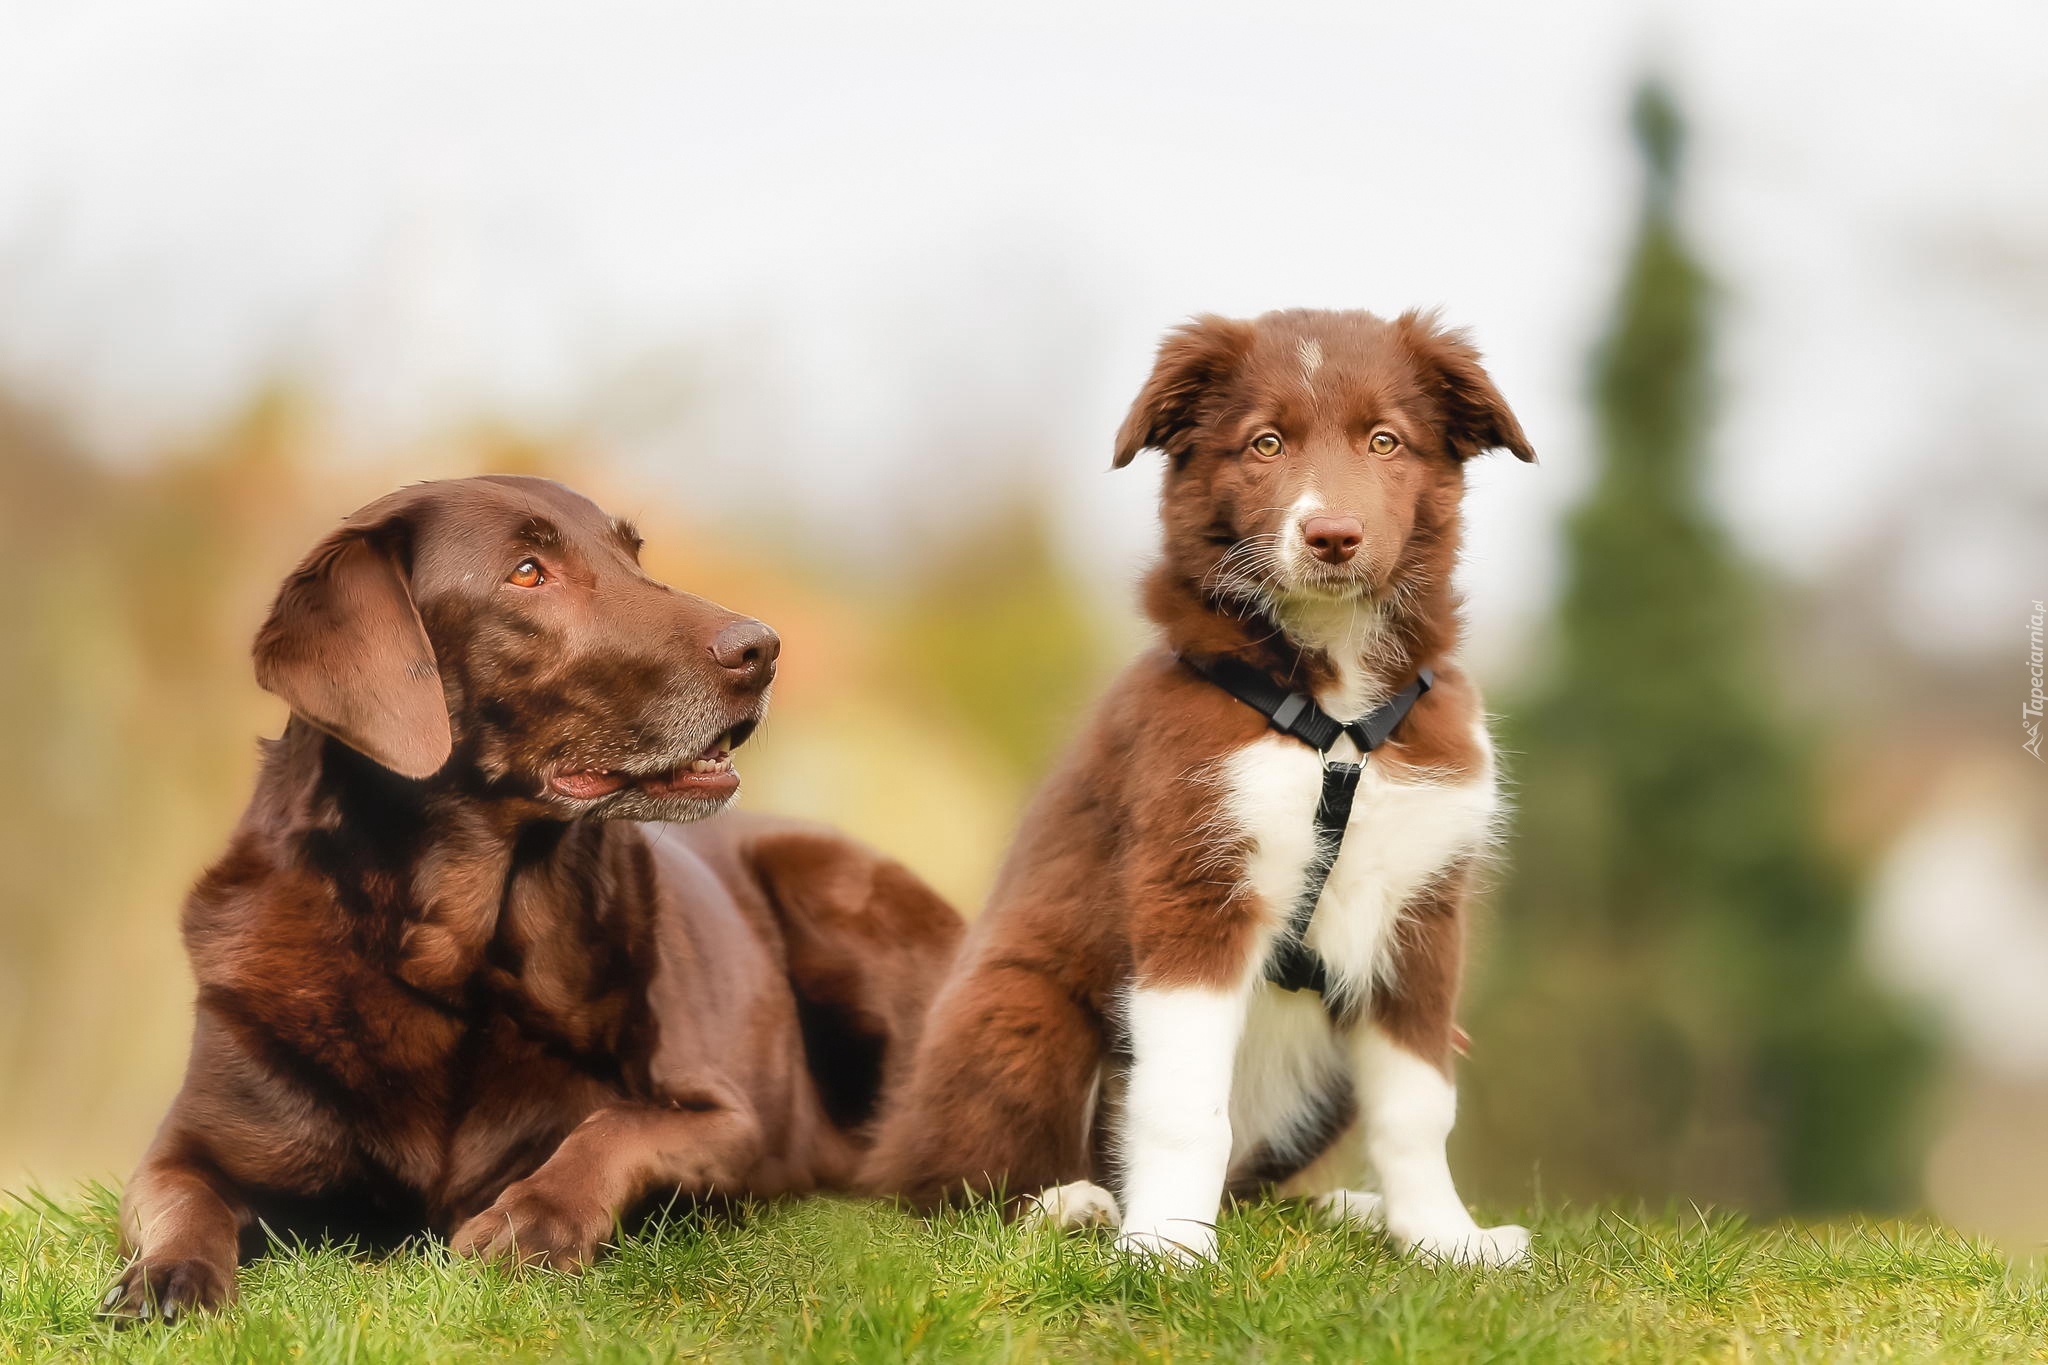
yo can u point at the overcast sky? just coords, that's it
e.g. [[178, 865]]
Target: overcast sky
[[862, 264]]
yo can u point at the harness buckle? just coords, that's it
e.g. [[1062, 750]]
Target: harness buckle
[[1289, 711]]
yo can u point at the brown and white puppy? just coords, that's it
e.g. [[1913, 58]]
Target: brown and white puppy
[[446, 984], [1108, 1021]]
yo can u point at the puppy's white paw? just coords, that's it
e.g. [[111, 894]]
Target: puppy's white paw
[[1360, 1208], [1502, 1246], [1180, 1242], [1079, 1204]]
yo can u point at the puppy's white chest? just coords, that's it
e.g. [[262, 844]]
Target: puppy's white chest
[[1402, 835]]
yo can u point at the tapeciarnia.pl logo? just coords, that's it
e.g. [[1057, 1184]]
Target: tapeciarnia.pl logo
[[2030, 713]]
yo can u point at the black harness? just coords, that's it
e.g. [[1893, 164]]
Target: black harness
[[1294, 966]]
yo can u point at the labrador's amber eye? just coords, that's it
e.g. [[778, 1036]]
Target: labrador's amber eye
[[528, 574], [1266, 446], [1383, 443]]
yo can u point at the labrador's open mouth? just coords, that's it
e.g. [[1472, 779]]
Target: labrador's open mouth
[[710, 775]]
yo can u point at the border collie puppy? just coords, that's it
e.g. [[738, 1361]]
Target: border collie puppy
[[1110, 1022]]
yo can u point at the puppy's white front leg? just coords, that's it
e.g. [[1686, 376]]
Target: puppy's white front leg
[[1406, 1108], [1176, 1118]]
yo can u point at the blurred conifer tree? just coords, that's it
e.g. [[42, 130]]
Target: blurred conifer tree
[[1677, 1006]]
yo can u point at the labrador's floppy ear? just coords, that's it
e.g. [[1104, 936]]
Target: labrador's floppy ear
[[344, 645], [1476, 417], [1193, 356]]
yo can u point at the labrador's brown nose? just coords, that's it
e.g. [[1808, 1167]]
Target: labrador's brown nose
[[1333, 539], [747, 650]]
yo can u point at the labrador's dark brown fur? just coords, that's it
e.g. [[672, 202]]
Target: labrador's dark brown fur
[[446, 983]]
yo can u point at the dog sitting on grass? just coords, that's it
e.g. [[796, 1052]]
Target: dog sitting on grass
[[1116, 1035]]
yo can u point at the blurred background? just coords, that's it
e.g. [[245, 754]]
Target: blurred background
[[843, 304]]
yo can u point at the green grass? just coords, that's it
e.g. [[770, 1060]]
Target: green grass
[[830, 1280]]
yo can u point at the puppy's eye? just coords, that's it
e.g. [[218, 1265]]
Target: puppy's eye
[[528, 574], [1383, 442], [1266, 446]]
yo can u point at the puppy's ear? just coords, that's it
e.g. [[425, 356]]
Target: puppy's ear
[[345, 646], [1476, 417], [1193, 356]]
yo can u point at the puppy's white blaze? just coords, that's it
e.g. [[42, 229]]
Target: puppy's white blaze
[[1307, 504], [1292, 552], [1406, 1109], [1311, 353], [1176, 1122]]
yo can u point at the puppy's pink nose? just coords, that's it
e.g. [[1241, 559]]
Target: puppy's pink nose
[[1333, 539], [747, 650]]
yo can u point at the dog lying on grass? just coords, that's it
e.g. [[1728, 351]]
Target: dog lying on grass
[[447, 983], [1112, 1021]]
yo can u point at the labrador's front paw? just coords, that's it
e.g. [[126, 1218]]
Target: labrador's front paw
[[529, 1225], [162, 1290]]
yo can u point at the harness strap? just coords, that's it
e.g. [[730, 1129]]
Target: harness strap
[[1294, 966]]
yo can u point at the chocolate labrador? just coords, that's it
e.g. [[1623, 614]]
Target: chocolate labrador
[[448, 983]]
